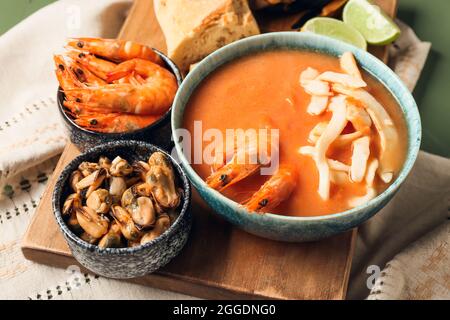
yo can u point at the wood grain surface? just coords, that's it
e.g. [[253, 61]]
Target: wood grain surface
[[219, 260]]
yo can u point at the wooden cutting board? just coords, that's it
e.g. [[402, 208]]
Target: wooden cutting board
[[219, 260]]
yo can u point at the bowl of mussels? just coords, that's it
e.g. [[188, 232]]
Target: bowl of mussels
[[123, 208]]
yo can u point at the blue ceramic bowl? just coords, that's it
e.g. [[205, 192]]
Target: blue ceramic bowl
[[157, 133], [121, 263], [278, 227]]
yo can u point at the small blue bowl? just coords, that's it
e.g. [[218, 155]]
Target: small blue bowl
[[288, 228], [122, 263], [157, 133]]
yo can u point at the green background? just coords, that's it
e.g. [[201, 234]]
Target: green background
[[429, 19]]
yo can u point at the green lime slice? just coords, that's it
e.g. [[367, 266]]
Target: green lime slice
[[376, 27], [336, 29]]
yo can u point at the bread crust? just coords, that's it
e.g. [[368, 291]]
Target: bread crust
[[222, 22]]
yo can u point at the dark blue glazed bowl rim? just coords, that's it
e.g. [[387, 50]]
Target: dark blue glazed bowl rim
[[310, 42], [62, 180], [172, 67]]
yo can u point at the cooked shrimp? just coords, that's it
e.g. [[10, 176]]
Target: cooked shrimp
[[94, 71], [140, 67], [116, 50], [97, 66], [231, 173], [274, 191], [114, 122], [66, 78], [225, 152], [85, 76], [153, 97], [246, 160]]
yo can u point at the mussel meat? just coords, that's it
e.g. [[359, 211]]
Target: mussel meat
[[120, 167], [92, 181], [99, 200], [113, 238], [88, 238], [161, 179], [87, 168], [94, 224], [126, 223], [72, 202], [161, 225], [75, 177], [117, 186], [104, 162], [141, 168]]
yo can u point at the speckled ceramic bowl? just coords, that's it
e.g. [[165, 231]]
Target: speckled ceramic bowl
[[286, 228], [157, 133], [133, 262]]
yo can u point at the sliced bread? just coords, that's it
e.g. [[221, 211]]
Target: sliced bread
[[194, 29]]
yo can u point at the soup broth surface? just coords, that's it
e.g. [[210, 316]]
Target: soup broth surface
[[263, 90]]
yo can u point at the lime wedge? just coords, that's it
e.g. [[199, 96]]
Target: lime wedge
[[376, 27], [336, 29]]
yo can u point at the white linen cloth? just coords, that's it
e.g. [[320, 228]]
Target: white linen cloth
[[31, 138]]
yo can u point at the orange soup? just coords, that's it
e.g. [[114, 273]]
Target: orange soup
[[263, 90]]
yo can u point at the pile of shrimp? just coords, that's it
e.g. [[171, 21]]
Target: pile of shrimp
[[343, 95], [114, 86]]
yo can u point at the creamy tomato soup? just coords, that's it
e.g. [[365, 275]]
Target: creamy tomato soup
[[263, 90]]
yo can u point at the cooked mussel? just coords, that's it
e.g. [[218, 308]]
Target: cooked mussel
[[75, 177], [88, 238], [73, 223], [141, 208], [132, 244], [129, 196], [92, 182], [113, 238], [94, 224], [126, 223], [104, 162], [161, 225], [120, 167], [159, 159], [72, 202], [161, 180], [87, 168], [99, 200], [117, 186], [141, 168]]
